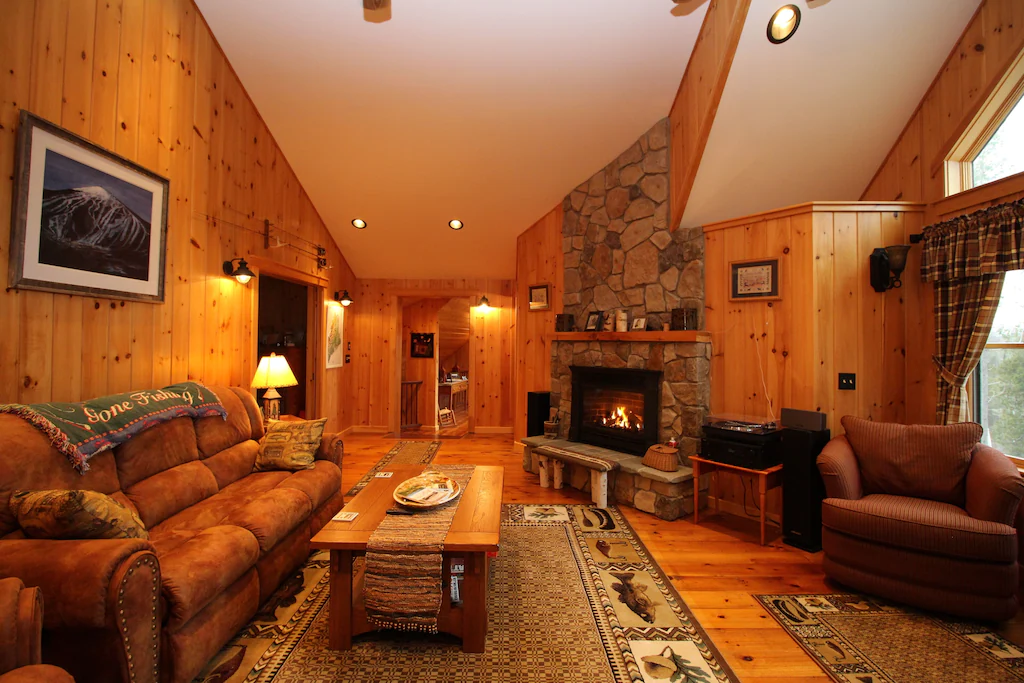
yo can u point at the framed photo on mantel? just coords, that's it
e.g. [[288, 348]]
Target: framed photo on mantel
[[85, 220], [754, 280]]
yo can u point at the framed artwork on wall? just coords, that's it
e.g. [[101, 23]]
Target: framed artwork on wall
[[85, 220], [754, 280], [540, 297], [421, 345], [639, 324], [335, 336]]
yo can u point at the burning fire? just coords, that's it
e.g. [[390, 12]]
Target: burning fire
[[620, 418]]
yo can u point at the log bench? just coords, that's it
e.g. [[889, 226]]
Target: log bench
[[552, 461]]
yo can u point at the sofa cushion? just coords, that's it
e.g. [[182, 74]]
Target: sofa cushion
[[319, 483], [922, 461], [63, 515], [171, 491], [290, 445], [196, 566], [253, 409], [919, 524], [155, 450], [272, 516], [234, 463], [213, 434]]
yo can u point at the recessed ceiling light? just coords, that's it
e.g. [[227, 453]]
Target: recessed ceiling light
[[359, 223], [783, 24], [455, 224]]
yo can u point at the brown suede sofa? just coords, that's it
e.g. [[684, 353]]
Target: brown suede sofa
[[222, 539], [21, 628], [923, 515]]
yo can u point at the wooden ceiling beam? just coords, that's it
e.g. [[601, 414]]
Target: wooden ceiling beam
[[700, 91]]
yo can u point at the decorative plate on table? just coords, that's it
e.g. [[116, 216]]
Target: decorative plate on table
[[426, 490]]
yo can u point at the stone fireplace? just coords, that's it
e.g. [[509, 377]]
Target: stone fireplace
[[615, 408]]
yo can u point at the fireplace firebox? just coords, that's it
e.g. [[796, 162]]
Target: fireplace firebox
[[615, 408]]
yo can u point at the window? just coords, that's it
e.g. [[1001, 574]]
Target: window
[[999, 380], [1003, 154]]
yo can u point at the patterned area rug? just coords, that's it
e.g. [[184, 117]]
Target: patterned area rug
[[403, 453], [574, 598], [859, 639]]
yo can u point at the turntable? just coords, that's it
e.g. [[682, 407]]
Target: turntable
[[744, 441]]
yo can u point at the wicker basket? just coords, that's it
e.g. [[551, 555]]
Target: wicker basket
[[662, 457]]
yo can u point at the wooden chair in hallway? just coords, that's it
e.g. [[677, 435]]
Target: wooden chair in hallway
[[445, 417]]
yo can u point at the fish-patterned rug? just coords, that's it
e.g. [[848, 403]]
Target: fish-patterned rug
[[859, 639], [574, 597], [402, 453]]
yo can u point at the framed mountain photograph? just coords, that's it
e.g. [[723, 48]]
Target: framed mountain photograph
[[86, 221]]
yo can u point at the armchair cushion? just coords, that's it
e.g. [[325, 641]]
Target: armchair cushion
[[994, 486], [923, 525], [62, 515], [919, 461]]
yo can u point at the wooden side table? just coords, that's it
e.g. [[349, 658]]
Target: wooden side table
[[766, 479]]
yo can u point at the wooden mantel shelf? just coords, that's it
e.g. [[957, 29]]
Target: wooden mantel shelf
[[676, 336]]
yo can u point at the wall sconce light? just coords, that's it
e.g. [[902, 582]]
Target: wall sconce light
[[484, 303], [343, 298], [883, 261], [240, 273]]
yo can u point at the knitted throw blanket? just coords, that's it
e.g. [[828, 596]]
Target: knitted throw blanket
[[404, 564], [81, 430]]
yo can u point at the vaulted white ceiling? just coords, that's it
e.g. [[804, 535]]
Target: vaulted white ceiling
[[814, 117], [485, 111], [492, 111]]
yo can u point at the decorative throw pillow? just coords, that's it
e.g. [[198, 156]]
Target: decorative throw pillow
[[920, 461], [290, 445], [66, 515]]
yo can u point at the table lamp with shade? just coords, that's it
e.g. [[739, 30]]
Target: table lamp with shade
[[271, 373]]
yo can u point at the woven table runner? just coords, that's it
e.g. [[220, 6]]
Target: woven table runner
[[404, 565]]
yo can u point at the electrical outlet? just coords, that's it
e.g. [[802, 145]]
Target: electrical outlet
[[847, 381]]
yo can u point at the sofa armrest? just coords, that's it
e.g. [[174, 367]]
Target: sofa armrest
[[331, 448], [37, 673], [21, 624], [840, 471], [104, 584], [994, 486]]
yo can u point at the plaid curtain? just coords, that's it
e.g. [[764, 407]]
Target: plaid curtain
[[964, 311], [966, 257]]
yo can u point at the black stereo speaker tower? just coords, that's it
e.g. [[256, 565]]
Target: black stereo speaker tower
[[802, 486], [538, 409]]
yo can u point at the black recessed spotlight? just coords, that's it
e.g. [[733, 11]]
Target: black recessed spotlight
[[455, 224], [783, 24], [358, 223]]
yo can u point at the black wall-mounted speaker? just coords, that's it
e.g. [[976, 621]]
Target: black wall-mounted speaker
[[538, 408], [802, 486]]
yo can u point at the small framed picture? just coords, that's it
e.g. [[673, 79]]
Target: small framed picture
[[639, 324], [421, 345], [609, 321], [754, 280], [540, 299], [593, 321]]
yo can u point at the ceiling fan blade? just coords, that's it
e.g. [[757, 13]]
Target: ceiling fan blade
[[375, 4], [685, 7]]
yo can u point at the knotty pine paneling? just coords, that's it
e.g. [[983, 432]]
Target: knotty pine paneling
[[376, 328], [146, 79], [913, 170], [538, 261], [767, 355]]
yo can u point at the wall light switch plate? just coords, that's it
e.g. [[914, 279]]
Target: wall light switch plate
[[847, 381]]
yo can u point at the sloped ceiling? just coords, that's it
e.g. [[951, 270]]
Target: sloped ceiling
[[813, 118], [485, 111]]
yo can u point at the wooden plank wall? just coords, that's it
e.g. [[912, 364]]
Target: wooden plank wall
[[146, 79], [913, 170], [696, 102], [422, 317], [538, 261], [376, 330], [829, 319]]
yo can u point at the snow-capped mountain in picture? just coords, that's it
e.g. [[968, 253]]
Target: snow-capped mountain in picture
[[88, 226]]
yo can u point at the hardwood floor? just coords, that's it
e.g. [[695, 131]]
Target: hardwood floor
[[715, 566], [460, 429]]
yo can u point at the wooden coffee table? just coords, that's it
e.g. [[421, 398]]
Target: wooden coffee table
[[475, 531]]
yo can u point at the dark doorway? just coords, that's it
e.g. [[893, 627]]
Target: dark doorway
[[282, 330]]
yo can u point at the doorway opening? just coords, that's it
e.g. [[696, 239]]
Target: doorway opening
[[283, 329], [435, 367]]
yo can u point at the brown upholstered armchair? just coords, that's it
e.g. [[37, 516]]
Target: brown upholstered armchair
[[924, 515], [21, 628]]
